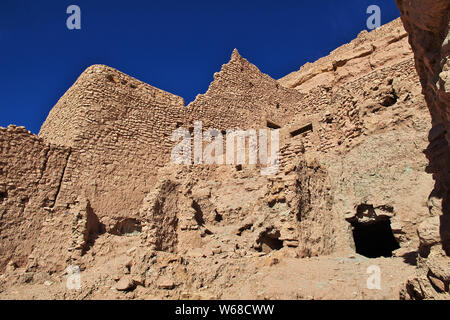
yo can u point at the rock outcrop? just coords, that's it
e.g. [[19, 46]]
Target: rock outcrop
[[427, 23]]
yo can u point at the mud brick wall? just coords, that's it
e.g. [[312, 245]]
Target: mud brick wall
[[119, 129], [242, 97], [30, 179]]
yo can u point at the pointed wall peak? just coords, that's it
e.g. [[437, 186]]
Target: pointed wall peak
[[235, 55]]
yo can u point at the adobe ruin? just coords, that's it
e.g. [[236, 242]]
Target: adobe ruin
[[96, 188]]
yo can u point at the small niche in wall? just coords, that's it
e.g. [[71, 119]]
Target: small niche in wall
[[303, 129], [272, 125]]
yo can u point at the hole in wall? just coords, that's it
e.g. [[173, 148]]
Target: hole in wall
[[269, 241], [272, 125], [3, 196], [437, 283], [24, 200], [304, 129], [217, 217], [127, 227], [374, 239], [388, 101]]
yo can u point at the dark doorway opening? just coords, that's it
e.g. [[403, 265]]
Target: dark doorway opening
[[374, 239], [3, 195]]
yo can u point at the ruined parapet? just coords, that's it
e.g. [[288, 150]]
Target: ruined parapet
[[103, 99], [31, 172], [338, 119], [242, 97]]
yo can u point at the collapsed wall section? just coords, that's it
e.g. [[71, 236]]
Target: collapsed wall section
[[30, 179]]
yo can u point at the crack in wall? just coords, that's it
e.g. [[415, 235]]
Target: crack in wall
[[61, 178], [44, 165]]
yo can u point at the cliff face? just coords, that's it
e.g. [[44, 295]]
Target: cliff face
[[381, 48], [107, 198], [427, 23]]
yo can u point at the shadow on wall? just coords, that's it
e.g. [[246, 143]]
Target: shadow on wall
[[444, 231], [438, 155]]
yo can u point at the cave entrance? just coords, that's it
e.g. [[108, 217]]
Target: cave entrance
[[270, 241], [374, 239]]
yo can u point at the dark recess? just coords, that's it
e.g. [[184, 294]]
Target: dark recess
[[301, 130], [374, 239], [272, 125], [270, 241]]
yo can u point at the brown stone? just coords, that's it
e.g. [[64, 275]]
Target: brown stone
[[125, 284], [439, 284], [166, 284]]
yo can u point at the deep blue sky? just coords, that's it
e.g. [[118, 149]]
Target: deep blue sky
[[173, 45]]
